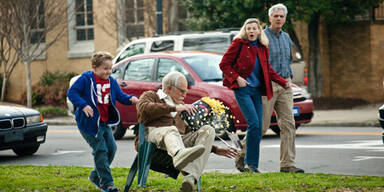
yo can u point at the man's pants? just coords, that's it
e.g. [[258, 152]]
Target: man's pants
[[282, 102], [103, 151], [168, 138]]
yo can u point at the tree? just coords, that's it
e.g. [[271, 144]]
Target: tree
[[36, 25], [212, 14], [8, 57]]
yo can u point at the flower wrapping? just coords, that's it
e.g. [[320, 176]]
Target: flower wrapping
[[209, 112]]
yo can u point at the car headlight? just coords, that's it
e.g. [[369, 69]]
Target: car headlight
[[305, 93], [34, 119], [301, 93]]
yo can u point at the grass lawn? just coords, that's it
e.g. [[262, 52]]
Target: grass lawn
[[69, 178]]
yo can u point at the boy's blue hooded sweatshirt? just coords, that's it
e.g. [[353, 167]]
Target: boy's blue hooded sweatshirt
[[83, 93]]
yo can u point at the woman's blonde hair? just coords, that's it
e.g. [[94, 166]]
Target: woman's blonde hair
[[263, 39]]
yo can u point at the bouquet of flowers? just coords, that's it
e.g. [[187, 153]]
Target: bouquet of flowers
[[209, 112]]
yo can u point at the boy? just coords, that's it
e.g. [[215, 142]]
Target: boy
[[95, 94]]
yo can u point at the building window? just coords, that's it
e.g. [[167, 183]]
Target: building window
[[84, 20], [379, 12], [134, 15], [131, 20], [38, 23], [80, 28]]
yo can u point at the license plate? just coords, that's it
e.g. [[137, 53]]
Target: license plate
[[14, 137], [296, 111]]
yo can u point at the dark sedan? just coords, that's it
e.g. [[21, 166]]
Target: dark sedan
[[21, 129]]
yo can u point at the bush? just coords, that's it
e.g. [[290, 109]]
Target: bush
[[51, 111], [50, 90]]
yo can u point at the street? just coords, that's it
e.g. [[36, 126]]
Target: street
[[333, 150]]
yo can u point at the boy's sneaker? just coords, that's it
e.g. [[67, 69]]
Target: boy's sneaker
[[111, 188], [95, 182]]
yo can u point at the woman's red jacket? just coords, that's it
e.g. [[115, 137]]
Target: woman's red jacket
[[245, 63]]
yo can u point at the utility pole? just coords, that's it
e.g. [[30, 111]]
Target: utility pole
[[159, 17]]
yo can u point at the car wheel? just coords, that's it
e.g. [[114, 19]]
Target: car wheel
[[276, 129], [118, 131], [220, 125], [26, 150]]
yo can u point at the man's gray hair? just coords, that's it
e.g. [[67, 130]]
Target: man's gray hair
[[171, 79], [276, 7]]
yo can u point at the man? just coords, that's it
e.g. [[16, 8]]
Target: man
[[160, 113], [280, 58]]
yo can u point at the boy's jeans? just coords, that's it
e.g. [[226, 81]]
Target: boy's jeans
[[103, 151], [249, 100]]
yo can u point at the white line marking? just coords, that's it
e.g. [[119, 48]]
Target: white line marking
[[362, 158], [66, 152]]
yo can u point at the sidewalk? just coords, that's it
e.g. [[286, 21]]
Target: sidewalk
[[364, 116]]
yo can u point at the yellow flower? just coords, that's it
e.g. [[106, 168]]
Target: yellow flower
[[218, 109]]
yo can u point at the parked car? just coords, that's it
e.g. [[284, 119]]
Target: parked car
[[144, 72], [21, 129], [381, 118]]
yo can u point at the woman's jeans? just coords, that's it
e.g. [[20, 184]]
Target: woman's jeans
[[249, 100], [103, 151]]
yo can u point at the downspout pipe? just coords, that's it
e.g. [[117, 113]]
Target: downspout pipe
[[159, 17]]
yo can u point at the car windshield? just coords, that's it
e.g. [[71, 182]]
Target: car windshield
[[206, 66]]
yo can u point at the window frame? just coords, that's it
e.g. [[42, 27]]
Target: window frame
[[82, 48]]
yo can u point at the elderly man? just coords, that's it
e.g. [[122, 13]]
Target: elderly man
[[280, 57], [160, 113]]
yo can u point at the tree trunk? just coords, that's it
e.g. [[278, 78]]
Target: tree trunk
[[314, 66], [4, 87], [29, 87]]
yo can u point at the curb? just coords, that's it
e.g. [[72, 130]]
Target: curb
[[349, 124], [59, 123]]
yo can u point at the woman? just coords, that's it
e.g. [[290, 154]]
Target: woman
[[248, 72]]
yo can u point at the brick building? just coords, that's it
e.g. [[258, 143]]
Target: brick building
[[351, 56]]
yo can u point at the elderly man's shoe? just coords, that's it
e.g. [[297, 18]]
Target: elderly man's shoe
[[187, 155], [291, 169], [188, 184]]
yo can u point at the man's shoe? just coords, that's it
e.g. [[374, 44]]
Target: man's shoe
[[251, 168], [187, 155], [111, 188], [188, 184], [95, 182], [291, 169], [239, 161]]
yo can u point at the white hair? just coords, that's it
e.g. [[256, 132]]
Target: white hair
[[276, 7], [171, 79]]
